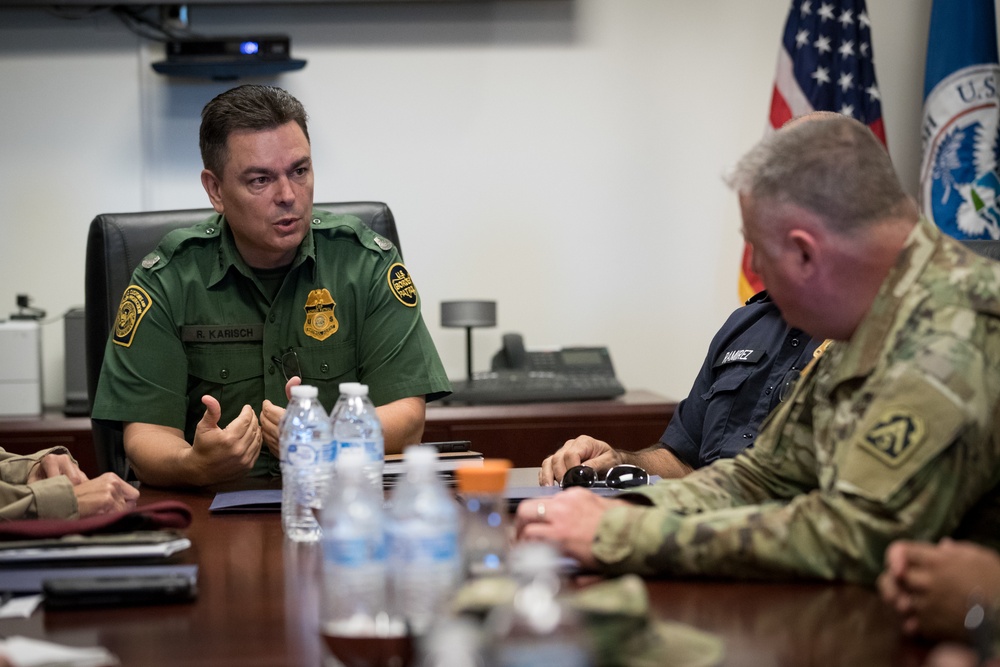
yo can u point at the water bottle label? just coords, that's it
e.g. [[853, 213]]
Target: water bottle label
[[328, 452], [435, 547], [301, 454], [374, 452], [353, 552]]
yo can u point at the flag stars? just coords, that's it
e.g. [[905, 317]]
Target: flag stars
[[845, 81], [822, 44], [806, 8], [847, 110], [826, 12], [801, 38], [864, 21], [822, 75], [864, 49], [846, 18], [873, 93], [846, 50]]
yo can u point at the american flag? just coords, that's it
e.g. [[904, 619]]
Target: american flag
[[824, 64]]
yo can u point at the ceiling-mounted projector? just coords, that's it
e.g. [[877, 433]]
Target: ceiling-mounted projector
[[228, 58]]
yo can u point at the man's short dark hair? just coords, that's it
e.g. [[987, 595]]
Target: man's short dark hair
[[249, 107]]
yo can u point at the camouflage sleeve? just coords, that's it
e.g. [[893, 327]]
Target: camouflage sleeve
[[15, 468], [910, 465]]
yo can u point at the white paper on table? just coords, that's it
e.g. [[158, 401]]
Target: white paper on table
[[25, 652]]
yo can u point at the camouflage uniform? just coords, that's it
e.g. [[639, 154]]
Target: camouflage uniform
[[888, 435]]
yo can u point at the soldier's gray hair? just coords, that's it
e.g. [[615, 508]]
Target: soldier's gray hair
[[828, 164]]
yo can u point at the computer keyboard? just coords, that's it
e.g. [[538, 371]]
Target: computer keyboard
[[518, 386]]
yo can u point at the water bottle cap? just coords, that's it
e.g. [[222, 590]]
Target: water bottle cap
[[419, 456], [304, 391], [491, 477], [353, 388]]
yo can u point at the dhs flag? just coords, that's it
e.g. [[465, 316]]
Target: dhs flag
[[958, 177], [824, 64]]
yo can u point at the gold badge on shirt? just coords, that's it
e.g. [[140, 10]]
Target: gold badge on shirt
[[135, 303], [402, 285], [320, 321]]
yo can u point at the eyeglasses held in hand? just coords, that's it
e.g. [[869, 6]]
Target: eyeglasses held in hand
[[623, 476]]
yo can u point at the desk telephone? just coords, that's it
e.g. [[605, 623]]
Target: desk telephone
[[518, 375]]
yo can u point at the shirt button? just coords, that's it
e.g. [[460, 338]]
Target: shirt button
[[270, 369], [271, 318], [794, 342], [223, 374], [324, 368], [748, 435], [767, 392]]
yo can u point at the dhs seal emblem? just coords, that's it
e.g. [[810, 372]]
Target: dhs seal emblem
[[320, 321], [959, 183]]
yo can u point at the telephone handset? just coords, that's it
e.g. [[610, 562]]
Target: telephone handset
[[511, 354]]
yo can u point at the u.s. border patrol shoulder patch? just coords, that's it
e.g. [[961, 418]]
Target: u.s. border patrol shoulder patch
[[135, 304], [402, 285], [894, 435]]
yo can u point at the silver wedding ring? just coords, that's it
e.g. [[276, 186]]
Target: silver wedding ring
[[540, 511]]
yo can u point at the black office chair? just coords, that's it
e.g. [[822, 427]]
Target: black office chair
[[116, 244]]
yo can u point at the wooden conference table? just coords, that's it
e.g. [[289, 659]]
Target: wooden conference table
[[257, 605]]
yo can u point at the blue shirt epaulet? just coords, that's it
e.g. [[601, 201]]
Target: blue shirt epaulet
[[758, 297]]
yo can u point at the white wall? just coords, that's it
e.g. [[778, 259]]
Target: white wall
[[562, 157]]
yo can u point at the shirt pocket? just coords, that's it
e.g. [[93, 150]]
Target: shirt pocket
[[231, 372], [728, 381], [326, 365]]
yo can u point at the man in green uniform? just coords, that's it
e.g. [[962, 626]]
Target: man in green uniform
[[50, 485], [890, 434], [224, 316]]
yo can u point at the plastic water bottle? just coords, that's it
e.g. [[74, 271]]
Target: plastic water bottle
[[308, 453], [424, 556], [537, 628], [354, 616], [356, 426], [485, 527]]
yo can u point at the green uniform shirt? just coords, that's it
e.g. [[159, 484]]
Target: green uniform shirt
[[196, 320], [892, 434]]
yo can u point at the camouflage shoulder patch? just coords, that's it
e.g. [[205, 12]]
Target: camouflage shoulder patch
[[402, 285], [909, 423], [134, 305]]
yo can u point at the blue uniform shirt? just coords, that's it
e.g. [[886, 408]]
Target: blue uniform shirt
[[751, 357]]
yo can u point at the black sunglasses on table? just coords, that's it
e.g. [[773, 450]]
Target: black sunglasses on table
[[623, 476]]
